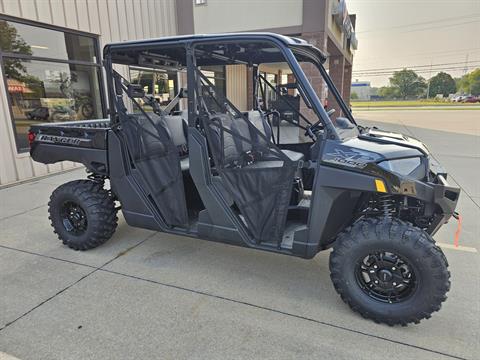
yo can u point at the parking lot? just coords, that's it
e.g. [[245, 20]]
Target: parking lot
[[149, 295]]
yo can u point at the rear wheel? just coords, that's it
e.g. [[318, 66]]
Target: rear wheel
[[82, 214], [389, 271]]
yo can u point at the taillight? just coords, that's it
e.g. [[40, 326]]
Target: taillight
[[31, 137]]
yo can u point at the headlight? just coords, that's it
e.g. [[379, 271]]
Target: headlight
[[405, 167]]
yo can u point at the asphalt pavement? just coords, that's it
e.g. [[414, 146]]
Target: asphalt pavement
[[149, 295]]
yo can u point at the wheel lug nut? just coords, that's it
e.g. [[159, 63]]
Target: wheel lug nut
[[372, 271], [375, 266], [376, 281], [394, 268], [394, 284]]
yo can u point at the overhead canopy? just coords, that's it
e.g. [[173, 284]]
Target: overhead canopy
[[221, 49]]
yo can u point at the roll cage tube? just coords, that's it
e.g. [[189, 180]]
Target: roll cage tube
[[290, 58], [308, 90], [308, 52]]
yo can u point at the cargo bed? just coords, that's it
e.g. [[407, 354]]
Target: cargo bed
[[78, 141]]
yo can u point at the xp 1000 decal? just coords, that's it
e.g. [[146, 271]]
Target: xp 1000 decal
[[347, 156]]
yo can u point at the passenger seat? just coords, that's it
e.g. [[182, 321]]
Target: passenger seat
[[256, 118], [177, 128]]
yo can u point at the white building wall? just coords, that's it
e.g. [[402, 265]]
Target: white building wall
[[246, 15], [236, 79], [112, 20]]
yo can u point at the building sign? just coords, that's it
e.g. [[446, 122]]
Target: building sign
[[15, 86], [342, 19]]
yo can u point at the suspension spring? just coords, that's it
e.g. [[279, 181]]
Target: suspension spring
[[387, 205]]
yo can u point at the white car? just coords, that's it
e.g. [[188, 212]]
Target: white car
[[459, 98]]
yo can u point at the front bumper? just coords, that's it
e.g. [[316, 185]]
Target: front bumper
[[445, 198]]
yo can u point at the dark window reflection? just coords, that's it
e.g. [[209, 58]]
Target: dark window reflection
[[35, 41], [42, 91], [48, 91]]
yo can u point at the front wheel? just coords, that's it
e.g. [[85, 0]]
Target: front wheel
[[389, 271]]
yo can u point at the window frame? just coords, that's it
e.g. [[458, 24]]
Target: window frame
[[97, 65]]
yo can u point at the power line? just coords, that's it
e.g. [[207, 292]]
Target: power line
[[414, 66], [421, 70], [428, 53], [457, 68], [441, 27], [421, 23]]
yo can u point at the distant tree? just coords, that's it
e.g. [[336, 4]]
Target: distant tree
[[442, 83], [388, 92], [353, 96], [470, 83], [408, 83]]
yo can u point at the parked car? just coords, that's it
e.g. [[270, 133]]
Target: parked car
[[39, 113], [458, 98], [471, 99]]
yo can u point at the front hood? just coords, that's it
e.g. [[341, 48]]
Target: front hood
[[380, 136], [372, 146]]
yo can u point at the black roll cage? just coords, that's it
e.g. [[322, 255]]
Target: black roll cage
[[288, 47]]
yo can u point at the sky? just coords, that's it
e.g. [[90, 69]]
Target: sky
[[426, 35]]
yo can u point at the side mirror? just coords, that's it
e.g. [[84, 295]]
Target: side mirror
[[343, 123]]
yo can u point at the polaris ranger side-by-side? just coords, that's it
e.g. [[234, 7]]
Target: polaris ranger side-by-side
[[211, 165]]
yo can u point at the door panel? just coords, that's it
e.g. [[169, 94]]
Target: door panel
[[156, 157]]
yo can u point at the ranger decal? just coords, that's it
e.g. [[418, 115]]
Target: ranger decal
[[60, 139]]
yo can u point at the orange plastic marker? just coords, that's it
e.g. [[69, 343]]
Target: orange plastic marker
[[459, 229]]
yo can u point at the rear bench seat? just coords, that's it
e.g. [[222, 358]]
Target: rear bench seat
[[176, 126]]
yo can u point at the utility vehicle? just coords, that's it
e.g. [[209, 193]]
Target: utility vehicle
[[209, 165]]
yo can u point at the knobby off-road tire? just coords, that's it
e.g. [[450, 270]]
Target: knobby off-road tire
[[82, 214], [393, 242]]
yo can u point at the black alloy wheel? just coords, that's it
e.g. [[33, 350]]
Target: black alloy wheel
[[386, 277], [74, 219]]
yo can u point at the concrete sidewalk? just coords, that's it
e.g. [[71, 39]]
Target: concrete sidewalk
[[155, 296]]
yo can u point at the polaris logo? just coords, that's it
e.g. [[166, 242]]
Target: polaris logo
[[60, 139]]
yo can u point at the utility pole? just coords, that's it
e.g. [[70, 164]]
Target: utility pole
[[465, 69], [429, 78]]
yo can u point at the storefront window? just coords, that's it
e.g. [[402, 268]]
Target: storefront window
[[50, 75], [41, 42]]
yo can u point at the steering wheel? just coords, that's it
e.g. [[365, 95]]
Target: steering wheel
[[314, 128]]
